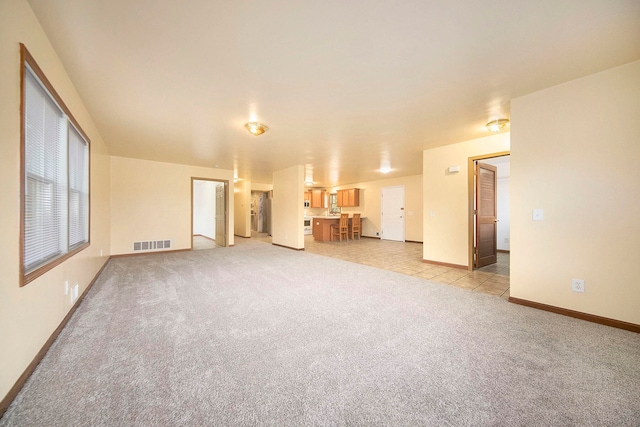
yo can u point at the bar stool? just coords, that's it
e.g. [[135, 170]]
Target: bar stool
[[356, 226], [342, 228]]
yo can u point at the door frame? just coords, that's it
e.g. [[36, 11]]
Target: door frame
[[471, 200], [226, 207], [264, 196]]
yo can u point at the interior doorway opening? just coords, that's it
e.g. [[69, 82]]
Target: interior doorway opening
[[489, 215], [209, 208], [261, 212]]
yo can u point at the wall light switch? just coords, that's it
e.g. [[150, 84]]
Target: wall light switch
[[538, 214], [432, 214]]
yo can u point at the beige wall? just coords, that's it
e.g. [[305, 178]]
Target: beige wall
[[29, 315], [255, 186], [446, 197], [152, 201], [575, 152], [370, 205], [288, 207], [242, 208]]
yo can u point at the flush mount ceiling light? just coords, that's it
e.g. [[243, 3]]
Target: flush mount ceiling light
[[497, 125], [256, 128]]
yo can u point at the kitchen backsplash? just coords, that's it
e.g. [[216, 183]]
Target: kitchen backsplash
[[315, 212]]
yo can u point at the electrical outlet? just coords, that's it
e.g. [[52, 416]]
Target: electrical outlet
[[100, 252], [377, 234], [66, 287], [577, 285], [74, 293], [538, 215]]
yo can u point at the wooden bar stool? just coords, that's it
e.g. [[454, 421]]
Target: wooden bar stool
[[356, 226], [342, 228]]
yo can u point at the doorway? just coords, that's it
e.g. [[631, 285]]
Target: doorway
[[209, 207], [260, 212], [489, 216], [392, 214]]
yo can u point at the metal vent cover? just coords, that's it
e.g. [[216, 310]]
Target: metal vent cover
[[151, 245]]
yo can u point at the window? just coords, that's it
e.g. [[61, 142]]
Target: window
[[55, 171]]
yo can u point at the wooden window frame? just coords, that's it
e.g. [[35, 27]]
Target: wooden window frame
[[27, 58]]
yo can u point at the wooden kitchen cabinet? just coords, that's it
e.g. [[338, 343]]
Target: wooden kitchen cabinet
[[318, 198], [349, 197]]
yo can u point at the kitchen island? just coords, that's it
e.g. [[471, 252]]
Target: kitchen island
[[322, 226]]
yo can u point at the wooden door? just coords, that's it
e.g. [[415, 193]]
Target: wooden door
[[486, 215]]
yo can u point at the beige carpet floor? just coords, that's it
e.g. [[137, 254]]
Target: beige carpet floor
[[261, 335]]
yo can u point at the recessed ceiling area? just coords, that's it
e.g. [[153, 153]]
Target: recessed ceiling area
[[346, 88]]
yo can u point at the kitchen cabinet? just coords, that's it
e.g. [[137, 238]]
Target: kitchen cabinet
[[349, 197], [307, 196], [318, 199]]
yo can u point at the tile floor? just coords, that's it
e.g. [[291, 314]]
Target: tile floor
[[406, 258], [200, 242]]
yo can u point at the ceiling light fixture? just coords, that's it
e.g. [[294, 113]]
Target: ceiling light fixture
[[385, 169], [256, 128], [497, 125]]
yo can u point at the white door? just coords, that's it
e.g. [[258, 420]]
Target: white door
[[221, 235], [392, 213]]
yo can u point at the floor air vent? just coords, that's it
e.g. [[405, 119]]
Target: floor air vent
[[151, 245]]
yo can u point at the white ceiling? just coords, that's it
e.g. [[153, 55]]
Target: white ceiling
[[343, 85]]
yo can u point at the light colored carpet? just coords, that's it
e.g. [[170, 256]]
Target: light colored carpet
[[261, 335]]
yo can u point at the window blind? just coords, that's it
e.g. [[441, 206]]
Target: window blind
[[78, 188], [45, 175], [56, 187]]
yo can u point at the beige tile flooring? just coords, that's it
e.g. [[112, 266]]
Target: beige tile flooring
[[201, 242], [406, 258]]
